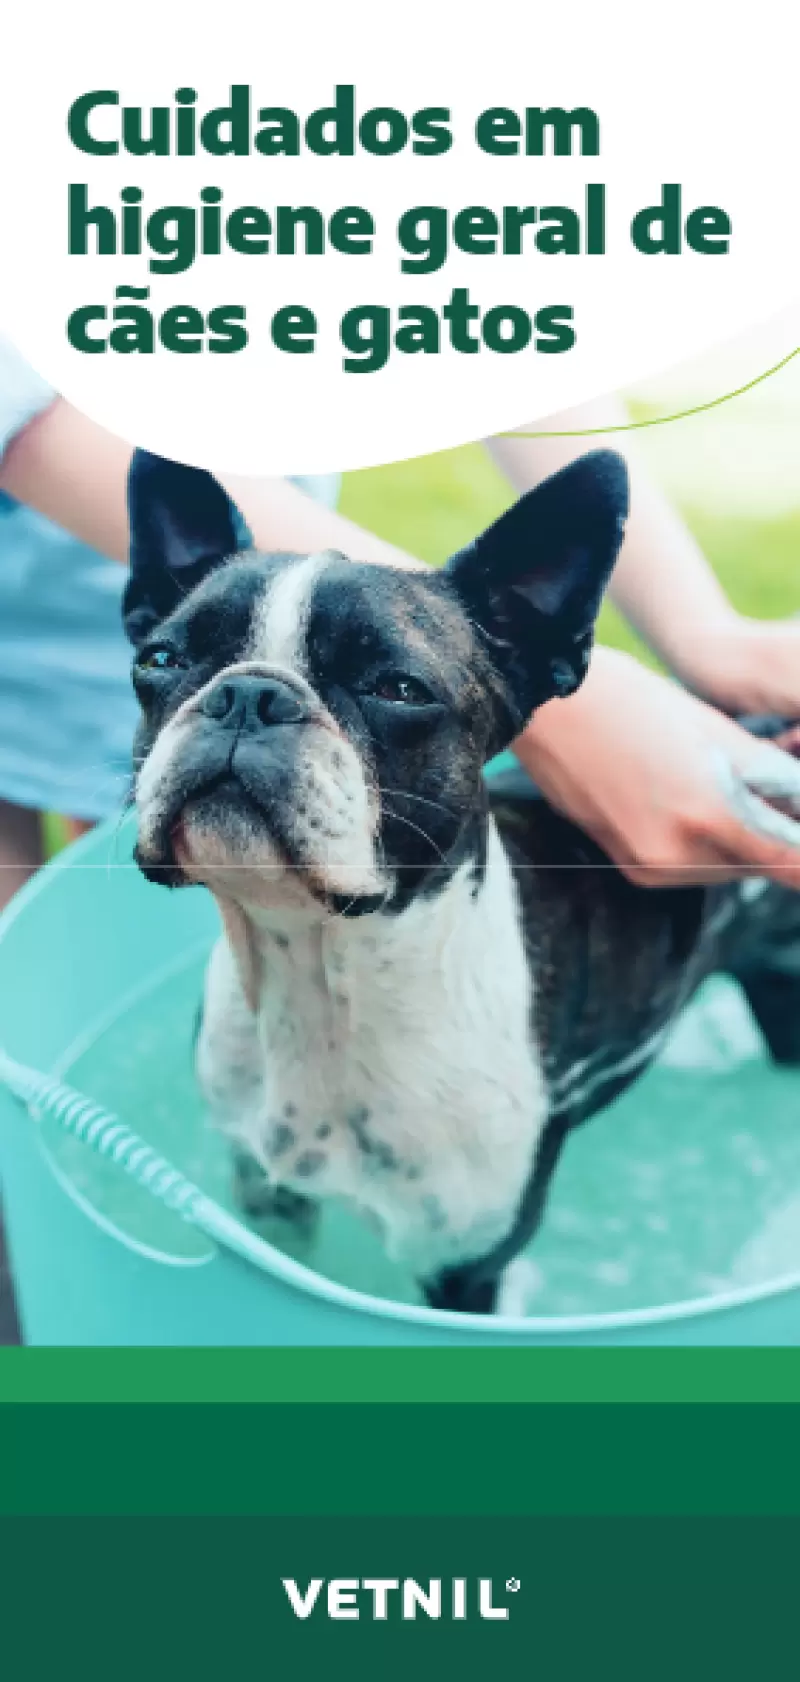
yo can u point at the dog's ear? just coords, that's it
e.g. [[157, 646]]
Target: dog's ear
[[533, 583], [182, 525]]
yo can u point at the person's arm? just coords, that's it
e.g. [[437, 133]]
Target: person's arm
[[75, 473], [71, 470], [281, 516], [663, 583], [660, 779]]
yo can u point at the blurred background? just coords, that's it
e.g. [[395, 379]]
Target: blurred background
[[733, 470]]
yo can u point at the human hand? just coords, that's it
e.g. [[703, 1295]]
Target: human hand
[[746, 665], [665, 784]]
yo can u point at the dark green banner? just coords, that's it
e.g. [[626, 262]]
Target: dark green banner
[[639, 1599], [351, 1458]]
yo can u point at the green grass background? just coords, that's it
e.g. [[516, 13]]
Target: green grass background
[[433, 504]]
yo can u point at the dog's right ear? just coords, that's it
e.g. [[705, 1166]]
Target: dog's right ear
[[532, 584], [182, 526]]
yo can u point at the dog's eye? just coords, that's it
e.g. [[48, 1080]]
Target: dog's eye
[[159, 659], [405, 691]]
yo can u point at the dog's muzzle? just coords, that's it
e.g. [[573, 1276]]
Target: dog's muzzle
[[249, 704]]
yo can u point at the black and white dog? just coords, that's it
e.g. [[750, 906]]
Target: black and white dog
[[421, 987]]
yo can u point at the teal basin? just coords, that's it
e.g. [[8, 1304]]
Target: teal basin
[[675, 1218]]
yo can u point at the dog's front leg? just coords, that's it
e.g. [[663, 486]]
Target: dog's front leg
[[463, 1290], [283, 1217], [506, 1291], [475, 1286], [230, 1068], [228, 1055]]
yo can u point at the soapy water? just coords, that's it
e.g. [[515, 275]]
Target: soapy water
[[688, 1186]]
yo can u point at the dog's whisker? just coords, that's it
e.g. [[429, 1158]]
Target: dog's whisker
[[398, 818], [419, 799]]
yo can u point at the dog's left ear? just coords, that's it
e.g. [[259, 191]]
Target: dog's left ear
[[533, 583], [182, 525]]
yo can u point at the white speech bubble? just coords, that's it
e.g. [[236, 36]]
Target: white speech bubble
[[684, 94]]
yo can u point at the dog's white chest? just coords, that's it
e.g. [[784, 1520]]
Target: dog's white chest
[[390, 1064]]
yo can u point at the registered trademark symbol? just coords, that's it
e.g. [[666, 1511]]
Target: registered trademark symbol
[[513, 1585]]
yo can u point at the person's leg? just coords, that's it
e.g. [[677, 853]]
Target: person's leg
[[76, 827], [20, 848], [20, 856], [9, 1324]]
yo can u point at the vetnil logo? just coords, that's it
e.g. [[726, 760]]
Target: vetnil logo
[[455, 1598]]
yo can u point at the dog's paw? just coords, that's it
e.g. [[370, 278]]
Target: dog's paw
[[282, 1217]]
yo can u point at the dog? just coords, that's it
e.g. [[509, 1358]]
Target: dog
[[422, 986]]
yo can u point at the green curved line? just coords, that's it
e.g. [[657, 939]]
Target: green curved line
[[659, 420]]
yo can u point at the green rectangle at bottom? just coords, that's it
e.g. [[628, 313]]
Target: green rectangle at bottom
[[361, 1459], [642, 1598]]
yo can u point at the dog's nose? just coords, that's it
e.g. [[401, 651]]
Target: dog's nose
[[253, 703]]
